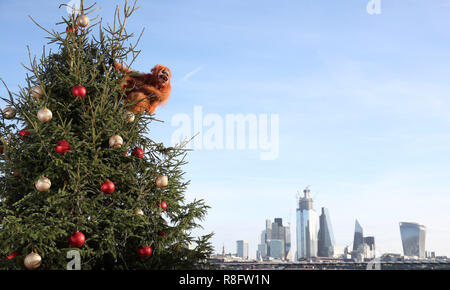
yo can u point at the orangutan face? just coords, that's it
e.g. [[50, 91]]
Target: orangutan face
[[163, 76]]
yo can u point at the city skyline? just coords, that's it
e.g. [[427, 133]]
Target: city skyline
[[412, 236], [362, 102]]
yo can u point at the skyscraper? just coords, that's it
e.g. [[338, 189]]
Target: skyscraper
[[268, 229], [262, 251], [307, 227], [287, 241], [276, 249], [413, 239], [280, 232], [242, 249], [363, 247], [274, 232], [326, 237], [370, 242], [358, 238]]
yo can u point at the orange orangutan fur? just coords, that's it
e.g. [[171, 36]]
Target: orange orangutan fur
[[146, 91]]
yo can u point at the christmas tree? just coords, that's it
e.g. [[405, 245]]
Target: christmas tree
[[78, 171]]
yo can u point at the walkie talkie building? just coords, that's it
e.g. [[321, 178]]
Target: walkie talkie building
[[413, 239]]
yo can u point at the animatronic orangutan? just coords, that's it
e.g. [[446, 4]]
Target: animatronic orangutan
[[146, 91]]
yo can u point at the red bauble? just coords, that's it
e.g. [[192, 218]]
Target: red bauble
[[162, 234], [62, 147], [79, 92], [1, 150], [12, 255], [144, 251], [138, 152], [60, 150], [24, 133], [126, 154], [70, 29], [108, 187], [64, 143], [163, 205], [77, 239]]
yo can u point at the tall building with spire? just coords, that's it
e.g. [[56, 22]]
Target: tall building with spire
[[326, 238], [307, 227]]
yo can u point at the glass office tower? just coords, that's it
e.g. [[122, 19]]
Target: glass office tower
[[358, 238], [326, 237], [242, 249], [413, 239], [307, 227]]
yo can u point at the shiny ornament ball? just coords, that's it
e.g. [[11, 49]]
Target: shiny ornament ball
[[161, 181], [108, 187], [115, 141], [83, 21], [64, 144], [9, 113], [24, 133], [139, 212], [77, 240], [44, 115], [12, 255], [138, 152], [43, 184], [32, 261], [79, 92], [37, 92], [163, 205], [144, 251], [162, 234], [130, 117], [61, 150], [71, 29], [62, 147]]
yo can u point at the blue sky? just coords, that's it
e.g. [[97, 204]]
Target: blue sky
[[363, 102]]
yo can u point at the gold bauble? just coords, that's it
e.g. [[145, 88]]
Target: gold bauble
[[37, 92], [139, 212], [83, 21], [32, 261], [161, 181], [43, 184], [44, 115], [9, 113], [115, 141], [129, 116]]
